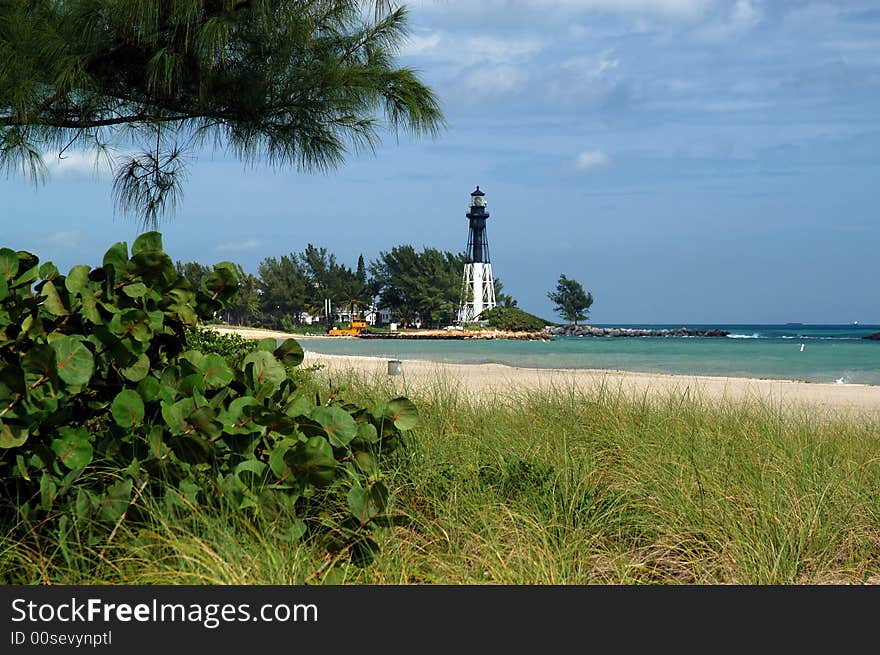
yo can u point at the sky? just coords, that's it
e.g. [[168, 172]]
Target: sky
[[688, 161]]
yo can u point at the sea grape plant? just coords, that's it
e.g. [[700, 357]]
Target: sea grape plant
[[97, 375]]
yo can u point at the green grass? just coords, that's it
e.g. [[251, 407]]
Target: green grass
[[548, 487]]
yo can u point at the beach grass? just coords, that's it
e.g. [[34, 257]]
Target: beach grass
[[547, 486]]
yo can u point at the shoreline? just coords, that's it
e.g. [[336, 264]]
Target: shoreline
[[494, 380], [262, 333]]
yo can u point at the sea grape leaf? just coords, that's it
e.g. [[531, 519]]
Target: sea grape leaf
[[135, 290], [367, 432], [176, 414], [365, 462], [314, 460], [90, 306], [338, 424], [367, 503], [203, 420], [139, 370], [147, 241], [290, 352], [154, 265], [54, 305], [301, 406], [276, 458], [134, 322], [127, 408], [39, 359], [234, 419], [48, 271], [12, 436], [29, 274], [116, 502], [191, 384], [149, 388], [194, 357], [8, 263], [117, 257], [268, 344], [266, 369], [404, 413], [75, 363], [253, 466], [222, 283], [77, 279], [215, 370], [72, 447]]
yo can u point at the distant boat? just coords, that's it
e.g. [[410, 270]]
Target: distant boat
[[855, 322]]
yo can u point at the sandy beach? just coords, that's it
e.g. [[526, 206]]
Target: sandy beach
[[493, 380], [496, 380], [260, 333]]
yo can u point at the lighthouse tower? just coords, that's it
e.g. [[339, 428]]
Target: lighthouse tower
[[478, 287]]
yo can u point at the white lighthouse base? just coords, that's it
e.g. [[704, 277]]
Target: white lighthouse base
[[478, 291]]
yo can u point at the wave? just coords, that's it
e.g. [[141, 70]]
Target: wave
[[801, 337]]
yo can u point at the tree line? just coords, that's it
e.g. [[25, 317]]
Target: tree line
[[419, 287]]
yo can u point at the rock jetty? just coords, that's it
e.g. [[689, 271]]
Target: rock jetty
[[488, 333], [875, 336], [590, 331]]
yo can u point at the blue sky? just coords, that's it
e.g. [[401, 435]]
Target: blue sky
[[689, 161]]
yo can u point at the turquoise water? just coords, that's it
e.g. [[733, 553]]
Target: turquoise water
[[831, 353]]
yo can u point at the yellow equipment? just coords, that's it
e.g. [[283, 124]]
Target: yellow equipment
[[357, 326]]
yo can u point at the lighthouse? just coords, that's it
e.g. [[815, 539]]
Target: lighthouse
[[478, 287]]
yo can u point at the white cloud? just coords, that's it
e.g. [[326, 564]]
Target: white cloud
[[591, 159], [592, 67], [238, 246], [499, 50], [688, 9], [76, 162], [474, 50], [712, 106], [744, 15], [677, 9], [421, 44], [493, 81]]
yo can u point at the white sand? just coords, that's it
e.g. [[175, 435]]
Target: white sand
[[496, 380], [260, 333], [493, 380]]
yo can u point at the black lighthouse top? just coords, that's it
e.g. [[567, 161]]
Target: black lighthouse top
[[478, 204], [478, 246]]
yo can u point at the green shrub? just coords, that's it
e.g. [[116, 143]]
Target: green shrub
[[233, 347], [106, 394], [513, 319], [287, 323]]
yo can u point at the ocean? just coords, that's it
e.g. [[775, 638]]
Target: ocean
[[814, 353]]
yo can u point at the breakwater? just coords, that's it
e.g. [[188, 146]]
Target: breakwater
[[590, 331], [455, 335]]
